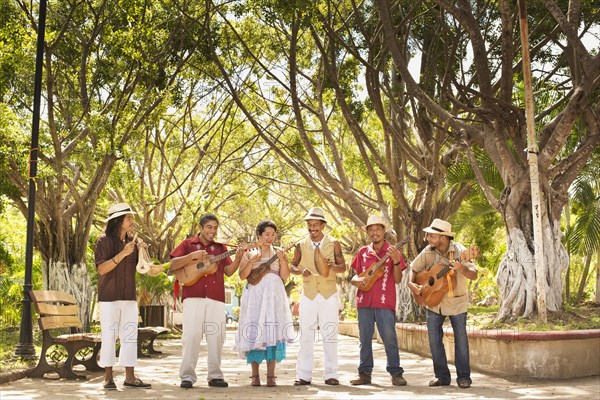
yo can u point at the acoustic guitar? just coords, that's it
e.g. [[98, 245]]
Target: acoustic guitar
[[375, 271], [258, 273], [440, 279], [190, 273]]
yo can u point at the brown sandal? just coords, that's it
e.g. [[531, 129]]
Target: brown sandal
[[271, 381], [255, 380]]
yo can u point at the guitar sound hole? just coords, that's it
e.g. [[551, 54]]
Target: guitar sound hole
[[431, 281]]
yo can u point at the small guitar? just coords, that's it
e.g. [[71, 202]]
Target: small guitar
[[375, 271], [190, 273], [257, 274], [321, 264], [440, 279], [145, 264]]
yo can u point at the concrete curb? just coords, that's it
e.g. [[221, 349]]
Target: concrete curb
[[11, 376]]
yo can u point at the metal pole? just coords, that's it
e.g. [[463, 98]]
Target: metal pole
[[25, 347], [532, 158]]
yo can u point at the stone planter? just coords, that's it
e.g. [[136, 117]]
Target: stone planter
[[553, 354]]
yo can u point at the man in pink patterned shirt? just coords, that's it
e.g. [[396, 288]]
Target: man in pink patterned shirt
[[378, 305]]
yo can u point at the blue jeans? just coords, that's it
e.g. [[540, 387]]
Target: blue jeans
[[438, 351], [386, 325]]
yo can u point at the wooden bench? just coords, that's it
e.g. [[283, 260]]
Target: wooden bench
[[146, 336], [64, 345]]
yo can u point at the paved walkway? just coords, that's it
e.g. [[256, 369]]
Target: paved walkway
[[162, 372]]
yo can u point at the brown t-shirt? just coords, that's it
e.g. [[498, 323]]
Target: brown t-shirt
[[118, 284]]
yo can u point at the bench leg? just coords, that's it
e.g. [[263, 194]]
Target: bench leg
[[61, 364], [90, 357]]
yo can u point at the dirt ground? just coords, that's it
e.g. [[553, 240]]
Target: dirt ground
[[162, 372]]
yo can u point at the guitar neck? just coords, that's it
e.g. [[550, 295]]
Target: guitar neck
[[379, 263], [221, 256], [269, 261], [467, 255]]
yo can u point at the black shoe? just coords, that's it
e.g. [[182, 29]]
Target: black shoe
[[438, 382], [186, 384], [301, 382], [217, 383]]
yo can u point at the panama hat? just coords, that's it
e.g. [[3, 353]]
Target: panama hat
[[119, 209], [440, 227], [315, 213], [375, 220]]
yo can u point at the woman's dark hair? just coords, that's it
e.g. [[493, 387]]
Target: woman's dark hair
[[263, 225], [113, 227]]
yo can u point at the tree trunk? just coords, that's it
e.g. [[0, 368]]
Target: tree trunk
[[72, 279], [405, 303], [516, 273], [584, 277]]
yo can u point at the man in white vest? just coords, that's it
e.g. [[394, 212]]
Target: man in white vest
[[318, 258]]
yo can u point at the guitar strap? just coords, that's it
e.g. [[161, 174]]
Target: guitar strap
[[450, 273], [450, 288]]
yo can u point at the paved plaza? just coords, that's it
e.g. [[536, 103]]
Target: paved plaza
[[162, 372]]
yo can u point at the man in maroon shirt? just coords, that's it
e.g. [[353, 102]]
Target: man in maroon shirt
[[204, 302], [378, 305]]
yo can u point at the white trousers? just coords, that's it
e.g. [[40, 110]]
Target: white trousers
[[118, 320], [202, 316], [322, 314]]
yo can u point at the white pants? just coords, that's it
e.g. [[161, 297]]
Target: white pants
[[119, 319], [202, 316], [318, 313]]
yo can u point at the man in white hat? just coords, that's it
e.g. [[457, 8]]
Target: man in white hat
[[116, 255], [443, 249], [319, 306], [376, 301]]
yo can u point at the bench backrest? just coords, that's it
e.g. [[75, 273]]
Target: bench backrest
[[56, 309]]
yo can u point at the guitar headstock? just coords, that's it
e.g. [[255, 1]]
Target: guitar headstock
[[248, 246], [469, 254], [288, 247], [403, 242]]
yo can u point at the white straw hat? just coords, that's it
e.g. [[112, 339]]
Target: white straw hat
[[440, 227], [375, 220], [315, 213], [119, 209]]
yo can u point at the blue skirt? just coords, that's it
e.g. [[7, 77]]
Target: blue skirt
[[276, 353]]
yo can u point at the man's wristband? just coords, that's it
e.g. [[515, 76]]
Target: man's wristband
[[397, 263], [113, 260]]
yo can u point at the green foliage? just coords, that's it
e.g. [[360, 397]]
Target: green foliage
[[584, 237], [153, 289], [349, 313]]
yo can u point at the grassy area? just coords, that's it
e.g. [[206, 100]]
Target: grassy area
[[570, 318], [9, 339]]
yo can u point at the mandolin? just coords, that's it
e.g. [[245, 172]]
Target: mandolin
[[190, 273], [440, 279], [258, 273], [375, 271]]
